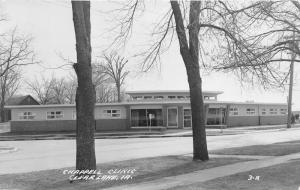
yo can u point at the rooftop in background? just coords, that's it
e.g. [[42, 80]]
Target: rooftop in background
[[21, 100], [169, 91], [148, 102], [169, 95]]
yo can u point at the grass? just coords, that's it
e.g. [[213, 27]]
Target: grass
[[146, 169], [278, 177], [277, 149]]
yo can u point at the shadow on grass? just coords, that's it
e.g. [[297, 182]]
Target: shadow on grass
[[278, 177], [146, 169], [276, 149]]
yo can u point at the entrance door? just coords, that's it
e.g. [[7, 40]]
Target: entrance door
[[172, 117], [187, 118]]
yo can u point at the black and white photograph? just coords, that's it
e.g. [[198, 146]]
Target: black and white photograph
[[149, 95]]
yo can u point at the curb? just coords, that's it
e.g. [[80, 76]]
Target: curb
[[106, 137]]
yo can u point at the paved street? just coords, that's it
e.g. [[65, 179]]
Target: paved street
[[51, 154]]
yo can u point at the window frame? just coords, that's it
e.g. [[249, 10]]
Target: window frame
[[234, 111], [23, 116], [273, 111], [55, 115], [263, 111], [250, 111], [109, 113], [283, 112], [158, 97]]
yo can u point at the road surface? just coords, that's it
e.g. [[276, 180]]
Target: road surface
[[53, 154]]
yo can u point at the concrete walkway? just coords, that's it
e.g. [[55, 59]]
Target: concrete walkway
[[207, 174]]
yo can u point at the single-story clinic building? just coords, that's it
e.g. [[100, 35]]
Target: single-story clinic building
[[148, 109]]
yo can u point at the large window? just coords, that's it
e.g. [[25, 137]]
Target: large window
[[234, 111], [27, 115], [141, 117], [250, 111], [113, 113], [55, 114]]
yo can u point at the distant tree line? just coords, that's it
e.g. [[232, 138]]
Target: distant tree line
[[108, 79]]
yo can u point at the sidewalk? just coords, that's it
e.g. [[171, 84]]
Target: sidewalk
[[208, 174]]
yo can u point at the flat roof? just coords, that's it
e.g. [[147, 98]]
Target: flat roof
[[150, 102], [169, 91]]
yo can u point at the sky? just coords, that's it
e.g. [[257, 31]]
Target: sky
[[50, 24]]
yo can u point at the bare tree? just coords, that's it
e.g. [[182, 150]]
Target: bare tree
[[15, 51], [9, 83], [210, 34], [59, 90], [114, 67], [103, 83], [70, 92], [85, 94], [190, 54], [42, 89]]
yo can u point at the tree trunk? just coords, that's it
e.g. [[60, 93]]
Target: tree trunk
[[85, 93], [3, 94], [119, 92], [190, 55], [198, 116], [2, 111]]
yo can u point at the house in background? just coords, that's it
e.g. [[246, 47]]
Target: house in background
[[149, 109], [18, 100]]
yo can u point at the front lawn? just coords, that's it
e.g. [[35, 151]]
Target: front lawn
[[278, 177], [146, 169], [277, 149]]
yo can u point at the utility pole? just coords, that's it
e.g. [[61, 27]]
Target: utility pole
[[291, 83]]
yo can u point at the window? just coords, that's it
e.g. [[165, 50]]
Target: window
[[171, 97], [55, 115], [250, 111], [137, 97], [112, 113], [283, 111], [147, 97], [234, 111], [273, 111], [263, 111], [27, 115], [158, 97], [212, 111]]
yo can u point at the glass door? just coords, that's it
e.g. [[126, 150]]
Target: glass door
[[172, 117], [187, 118]]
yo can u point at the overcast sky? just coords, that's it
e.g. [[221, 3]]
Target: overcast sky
[[51, 25]]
